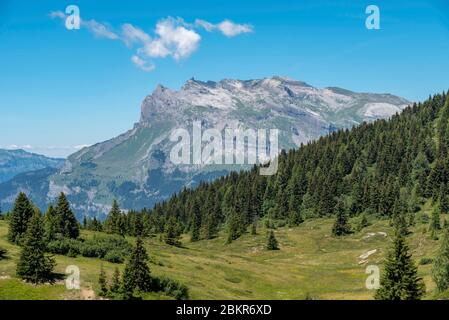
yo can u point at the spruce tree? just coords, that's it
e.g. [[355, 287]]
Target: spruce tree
[[68, 224], [341, 226], [272, 243], [51, 224], [400, 279], [440, 268], [172, 232], [102, 283], [136, 276], [20, 216], [196, 221], [434, 224], [115, 286], [112, 222], [34, 265]]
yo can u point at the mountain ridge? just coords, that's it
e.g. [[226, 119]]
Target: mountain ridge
[[134, 167]]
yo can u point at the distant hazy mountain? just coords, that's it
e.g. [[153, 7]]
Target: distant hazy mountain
[[14, 162], [135, 167]]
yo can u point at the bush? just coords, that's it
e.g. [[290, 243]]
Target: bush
[[425, 260], [111, 248], [170, 287], [114, 256]]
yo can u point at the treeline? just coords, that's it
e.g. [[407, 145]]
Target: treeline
[[385, 168], [58, 232]]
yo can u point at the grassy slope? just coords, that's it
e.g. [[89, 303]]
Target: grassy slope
[[310, 262]]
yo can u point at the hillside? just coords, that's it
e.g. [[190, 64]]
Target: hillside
[[14, 162], [311, 263], [135, 167]]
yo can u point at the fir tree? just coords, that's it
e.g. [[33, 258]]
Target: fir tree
[[272, 243], [172, 232], [34, 265], [115, 286], [68, 223], [434, 224], [440, 268], [102, 283], [112, 222], [399, 280], [341, 226], [51, 224], [196, 222], [20, 216], [136, 276]]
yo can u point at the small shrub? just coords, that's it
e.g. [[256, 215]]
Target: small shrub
[[425, 260], [114, 256]]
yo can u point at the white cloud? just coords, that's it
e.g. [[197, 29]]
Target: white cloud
[[174, 39], [205, 25], [227, 27], [131, 34], [142, 64], [57, 14], [100, 30]]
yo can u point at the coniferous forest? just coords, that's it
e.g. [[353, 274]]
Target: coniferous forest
[[385, 170]]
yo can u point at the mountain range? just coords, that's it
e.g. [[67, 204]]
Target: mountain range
[[135, 167]]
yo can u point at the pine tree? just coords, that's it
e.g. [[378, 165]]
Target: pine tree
[[172, 232], [51, 224], [68, 223], [112, 222], [34, 265], [272, 243], [115, 286], [196, 221], [102, 283], [435, 224], [400, 280], [136, 276], [341, 226], [20, 216], [440, 268]]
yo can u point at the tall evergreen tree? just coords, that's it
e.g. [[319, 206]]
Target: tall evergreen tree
[[51, 224], [136, 276], [440, 268], [115, 285], [341, 226], [20, 216], [34, 264], [400, 280], [112, 222], [173, 232], [272, 243], [68, 223], [102, 283]]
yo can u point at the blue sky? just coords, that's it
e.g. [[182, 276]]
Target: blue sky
[[60, 89]]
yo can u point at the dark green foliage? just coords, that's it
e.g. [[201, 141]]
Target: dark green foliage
[[136, 276], [399, 279], [52, 224], [34, 264], [341, 225], [116, 281], [110, 248], [173, 231], [272, 243], [18, 219], [170, 287], [102, 283], [114, 222], [440, 269], [69, 226]]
